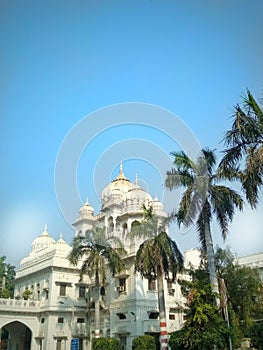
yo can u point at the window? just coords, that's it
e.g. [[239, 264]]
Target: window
[[152, 284], [170, 288], [110, 224], [169, 285], [38, 291], [42, 320], [62, 290], [171, 316], [82, 291], [153, 315], [122, 284], [80, 320], [121, 316], [60, 320]]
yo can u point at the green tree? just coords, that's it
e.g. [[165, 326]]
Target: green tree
[[202, 199], [243, 159], [144, 342], [98, 253], [157, 257], [7, 276], [256, 335], [244, 289], [106, 344], [204, 326]]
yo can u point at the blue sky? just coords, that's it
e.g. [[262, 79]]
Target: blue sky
[[63, 60]]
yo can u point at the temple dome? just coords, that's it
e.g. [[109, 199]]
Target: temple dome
[[117, 188], [43, 241], [158, 207], [138, 195], [86, 209]]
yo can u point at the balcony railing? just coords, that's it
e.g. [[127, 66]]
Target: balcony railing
[[13, 304]]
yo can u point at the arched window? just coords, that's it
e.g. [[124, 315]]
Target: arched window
[[110, 224], [124, 228]]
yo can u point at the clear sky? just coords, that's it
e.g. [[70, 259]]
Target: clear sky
[[63, 60]]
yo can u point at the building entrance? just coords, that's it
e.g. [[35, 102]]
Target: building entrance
[[15, 336]]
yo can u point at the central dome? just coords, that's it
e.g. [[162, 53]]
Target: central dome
[[43, 241], [117, 188]]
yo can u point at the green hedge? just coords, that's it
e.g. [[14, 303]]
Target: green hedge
[[106, 344], [144, 342]]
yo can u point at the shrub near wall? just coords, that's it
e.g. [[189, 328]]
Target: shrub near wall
[[144, 342], [106, 344]]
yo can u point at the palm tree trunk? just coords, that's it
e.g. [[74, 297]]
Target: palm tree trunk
[[162, 313], [97, 305], [211, 264]]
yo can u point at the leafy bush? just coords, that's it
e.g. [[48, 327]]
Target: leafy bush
[[256, 334], [106, 344], [144, 342], [204, 326], [26, 294]]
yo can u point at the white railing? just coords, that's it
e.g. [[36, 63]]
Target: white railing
[[14, 304]]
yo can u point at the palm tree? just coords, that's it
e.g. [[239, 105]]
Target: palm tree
[[157, 257], [245, 145], [97, 253], [202, 199]]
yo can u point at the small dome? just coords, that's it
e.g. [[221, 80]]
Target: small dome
[[138, 194], [61, 245], [61, 240], [86, 209], [43, 241], [158, 207]]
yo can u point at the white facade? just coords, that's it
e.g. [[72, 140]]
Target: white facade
[[60, 306], [253, 261]]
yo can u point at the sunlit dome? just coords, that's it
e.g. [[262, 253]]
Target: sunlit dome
[[156, 204], [158, 207], [43, 241], [137, 195], [86, 209], [117, 188], [62, 245]]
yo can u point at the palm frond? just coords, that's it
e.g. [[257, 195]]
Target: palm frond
[[251, 104]]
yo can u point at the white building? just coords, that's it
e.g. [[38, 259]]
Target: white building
[[60, 307], [253, 261]]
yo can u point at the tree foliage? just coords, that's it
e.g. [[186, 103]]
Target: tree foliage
[[203, 198], [144, 342], [157, 257], [243, 159], [158, 253], [244, 289], [204, 325], [98, 253], [256, 334], [7, 276], [106, 344]]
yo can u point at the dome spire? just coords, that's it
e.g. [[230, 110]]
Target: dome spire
[[136, 180], [121, 175], [45, 233]]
